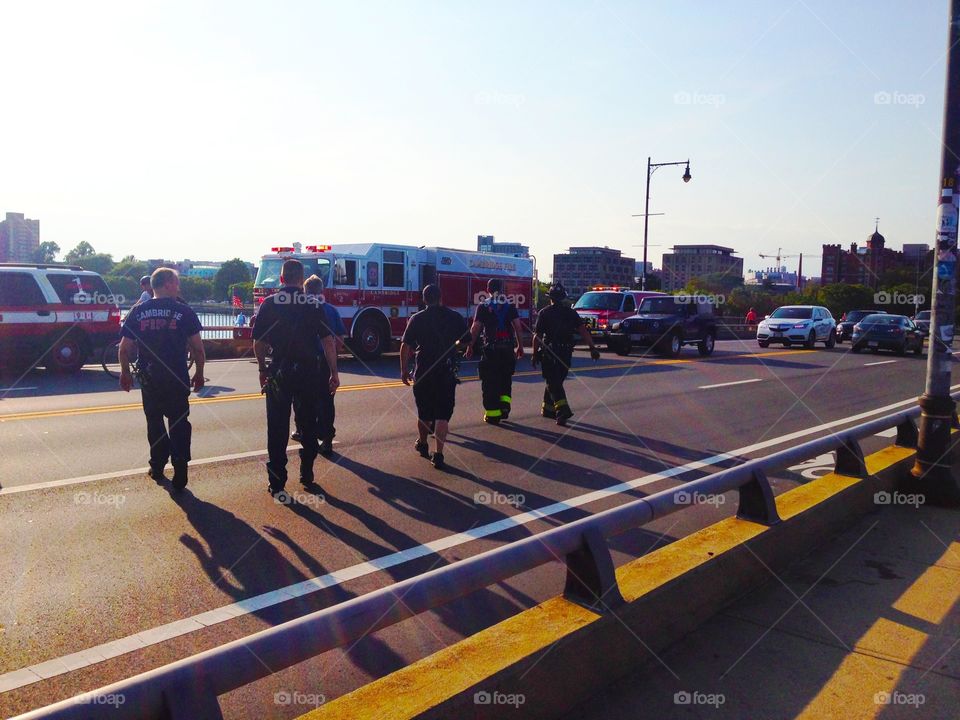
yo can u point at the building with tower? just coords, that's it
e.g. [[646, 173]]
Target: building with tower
[[867, 264]]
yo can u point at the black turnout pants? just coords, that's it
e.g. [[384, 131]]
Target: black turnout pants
[[302, 397], [554, 367], [167, 402], [496, 378], [326, 412]]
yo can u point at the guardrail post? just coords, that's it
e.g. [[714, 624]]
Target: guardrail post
[[756, 500], [591, 580], [193, 701], [850, 460], [907, 434]]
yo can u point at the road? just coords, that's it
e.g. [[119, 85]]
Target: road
[[112, 574]]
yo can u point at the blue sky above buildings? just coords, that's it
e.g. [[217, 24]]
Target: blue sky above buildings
[[217, 129]]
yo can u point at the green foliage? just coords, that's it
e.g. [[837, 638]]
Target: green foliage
[[80, 252], [839, 297], [194, 289], [98, 262], [244, 290], [654, 283], [230, 273], [46, 253], [126, 289], [130, 267]]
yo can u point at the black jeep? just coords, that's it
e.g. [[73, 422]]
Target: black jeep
[[667, 324]]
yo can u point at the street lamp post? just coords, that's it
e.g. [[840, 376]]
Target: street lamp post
[[937, 409], [651, 168]]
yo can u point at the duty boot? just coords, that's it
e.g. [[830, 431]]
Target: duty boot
[[437, 460], [563, 413], [326, 447], [179, 481], [421, 447], [155, 473], [547, 411]]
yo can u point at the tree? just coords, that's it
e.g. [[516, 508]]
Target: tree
[[130, 267], [194, 289], [47, 252], [81, 251], [230, 273], [839, 298], [244, 290], [98, 262]]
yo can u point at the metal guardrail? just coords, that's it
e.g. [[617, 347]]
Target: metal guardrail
[[189, 688]]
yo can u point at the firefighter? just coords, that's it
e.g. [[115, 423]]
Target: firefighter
[[293, 326], [553, 339], [497, 318]]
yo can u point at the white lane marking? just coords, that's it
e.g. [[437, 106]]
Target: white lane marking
[[134, 471], [728, 384], [58, 666], [882, 362], [18, 388]]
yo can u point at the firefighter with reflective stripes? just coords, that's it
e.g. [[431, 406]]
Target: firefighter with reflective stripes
[[553, 339], [497, 318]]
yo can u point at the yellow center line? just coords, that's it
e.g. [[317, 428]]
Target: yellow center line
[[376, 386]]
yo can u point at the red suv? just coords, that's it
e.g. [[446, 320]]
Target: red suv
[[602, 308], [54, 315]]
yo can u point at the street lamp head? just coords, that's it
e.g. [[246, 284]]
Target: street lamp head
[[686, 174]]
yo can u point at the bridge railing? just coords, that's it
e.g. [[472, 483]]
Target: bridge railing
[[189, 688]]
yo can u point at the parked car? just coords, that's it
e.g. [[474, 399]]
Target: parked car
[[887, 332], [603, 307], [922, 321], [54, 315], [667, 323], [851, 318], [798, 324]]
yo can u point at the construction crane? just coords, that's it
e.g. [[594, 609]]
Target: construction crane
[[778, 257]]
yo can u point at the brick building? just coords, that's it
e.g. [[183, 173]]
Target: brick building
[[584, 267], [689, 261], [866, 265]]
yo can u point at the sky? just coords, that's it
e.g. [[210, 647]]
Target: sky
[[209, 130]]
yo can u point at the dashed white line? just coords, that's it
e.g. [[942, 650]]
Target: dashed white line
[[882, 362], [728, 384]]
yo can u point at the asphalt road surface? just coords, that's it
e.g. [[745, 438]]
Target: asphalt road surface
[[107, 573]]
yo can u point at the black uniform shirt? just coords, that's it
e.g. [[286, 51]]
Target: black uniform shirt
[[293, 324], [161, 327], [433, 333], [497, 320], [556, 324]]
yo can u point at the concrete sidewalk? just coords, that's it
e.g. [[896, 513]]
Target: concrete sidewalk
[[866, 627]]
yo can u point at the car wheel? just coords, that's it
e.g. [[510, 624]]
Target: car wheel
[[902, 350], [67, 355], [918, 350], [621, 347], [839, 338], [763, 343], [875, 350], [832, 340], [811, 340], [670, 346], [370, 338], [705, 346], [857, 348]]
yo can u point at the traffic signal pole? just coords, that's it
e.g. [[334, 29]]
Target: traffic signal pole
[[933, 467]]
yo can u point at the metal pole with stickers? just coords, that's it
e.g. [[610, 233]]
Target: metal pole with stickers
[[938, 411]]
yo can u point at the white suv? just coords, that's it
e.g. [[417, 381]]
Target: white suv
[[800, 324]]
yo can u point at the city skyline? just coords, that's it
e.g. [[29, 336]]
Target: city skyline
[[249, 127]]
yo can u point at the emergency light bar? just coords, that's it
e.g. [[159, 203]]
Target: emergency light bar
[[281, 249], [318, 248]]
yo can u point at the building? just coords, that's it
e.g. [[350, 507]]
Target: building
[[771, 276], [19, 238], [866, 265], [487, 243], [584, 267], [689, 261]]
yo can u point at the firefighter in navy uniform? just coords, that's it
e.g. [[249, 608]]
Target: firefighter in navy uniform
[[497, 318], [553, 339], [293, 325]]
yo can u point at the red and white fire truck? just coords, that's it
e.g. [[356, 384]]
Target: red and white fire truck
[[376, 287]]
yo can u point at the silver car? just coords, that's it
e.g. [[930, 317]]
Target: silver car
[[798, 324]]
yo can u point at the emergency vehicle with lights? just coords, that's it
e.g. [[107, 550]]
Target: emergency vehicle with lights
[[376, 287], [604, 307], [53, 315]]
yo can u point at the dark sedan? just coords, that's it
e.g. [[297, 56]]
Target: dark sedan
[[887, 332], [851, 318], [922, 321]]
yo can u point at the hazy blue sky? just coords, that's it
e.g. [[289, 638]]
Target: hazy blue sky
[[213, 129]]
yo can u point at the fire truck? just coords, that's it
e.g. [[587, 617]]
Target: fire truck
[[376, 287]]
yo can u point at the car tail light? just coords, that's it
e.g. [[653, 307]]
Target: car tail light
[[897, 331]]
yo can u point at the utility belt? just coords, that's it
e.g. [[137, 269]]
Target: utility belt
[[158, 379]]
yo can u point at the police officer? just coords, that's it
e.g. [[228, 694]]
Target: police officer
[[553, 350], [434, 334], [497, 318], [292, 326], [326, 411], [159, 330]]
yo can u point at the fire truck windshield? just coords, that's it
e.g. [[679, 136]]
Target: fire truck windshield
[[268, 276], [599, 301]]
